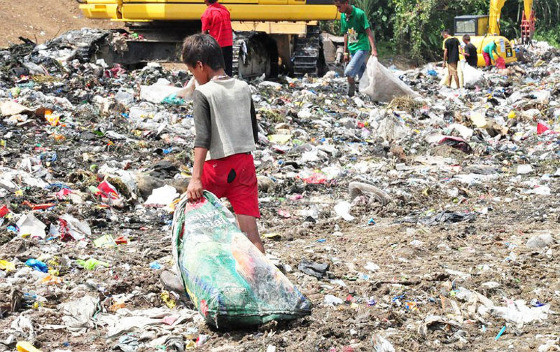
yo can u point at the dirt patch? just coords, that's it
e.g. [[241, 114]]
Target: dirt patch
[[42, 20]]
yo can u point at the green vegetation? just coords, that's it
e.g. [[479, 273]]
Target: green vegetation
[[413, 27], [552, 36]]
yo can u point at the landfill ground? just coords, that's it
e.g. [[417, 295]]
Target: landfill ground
[[42, 20], [438, 216]]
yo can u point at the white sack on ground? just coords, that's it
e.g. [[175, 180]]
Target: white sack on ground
[[472, 76], [382, 85]]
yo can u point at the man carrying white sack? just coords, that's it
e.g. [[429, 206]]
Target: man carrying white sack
[[359, 42]]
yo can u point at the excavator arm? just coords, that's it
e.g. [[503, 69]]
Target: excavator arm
[[495, 14], [528, 20], [528, 7]]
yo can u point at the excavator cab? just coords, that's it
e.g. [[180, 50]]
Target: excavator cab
[[471, 25]]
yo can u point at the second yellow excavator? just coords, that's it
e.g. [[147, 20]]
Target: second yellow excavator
[[485, 29]]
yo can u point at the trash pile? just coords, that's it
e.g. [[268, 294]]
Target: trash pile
[[427, 222]]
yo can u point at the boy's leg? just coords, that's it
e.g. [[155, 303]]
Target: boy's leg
[[248, 225], [353, 68], [453, 73], [242, 193], [449, 79], [362, 68]]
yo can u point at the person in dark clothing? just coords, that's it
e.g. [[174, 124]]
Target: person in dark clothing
[[451, 56], [469, 51]]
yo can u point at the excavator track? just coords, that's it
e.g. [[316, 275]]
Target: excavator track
[[308, 57], [255, 53], [238, 44]]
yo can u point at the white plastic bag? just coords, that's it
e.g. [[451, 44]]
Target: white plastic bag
[[472, 76], [381, 85], [158, 91]]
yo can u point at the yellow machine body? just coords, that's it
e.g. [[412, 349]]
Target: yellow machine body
[[485, 29], [179, 10], [503, 47]]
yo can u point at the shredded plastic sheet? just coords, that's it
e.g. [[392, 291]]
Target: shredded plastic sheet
[[228, 279], [382, 85]]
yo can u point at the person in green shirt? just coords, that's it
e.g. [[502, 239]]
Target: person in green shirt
[[487, 53], [359, 42]]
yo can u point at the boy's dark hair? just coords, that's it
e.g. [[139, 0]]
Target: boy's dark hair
[[445, 31], [202, 47], [212, 1], [343, 1], [467, 38]]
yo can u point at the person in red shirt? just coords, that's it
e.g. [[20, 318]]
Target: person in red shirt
[[216, 21]]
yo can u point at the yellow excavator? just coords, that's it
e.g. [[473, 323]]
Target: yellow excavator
[[485, 29], [270, 35]]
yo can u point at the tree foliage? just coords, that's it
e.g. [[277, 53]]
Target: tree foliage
[[413, 27]]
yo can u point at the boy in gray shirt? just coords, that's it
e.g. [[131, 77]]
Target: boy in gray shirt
[[226, 133]]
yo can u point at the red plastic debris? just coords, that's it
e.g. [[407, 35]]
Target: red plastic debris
[[107, 190], [38, 206], [62, 193], [541, 128], [500, 63], [316, 179], [4, 211], [121, 240]]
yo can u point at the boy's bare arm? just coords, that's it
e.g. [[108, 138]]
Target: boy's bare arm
[[254, 125], [371, 38], [345, 57], [194, 190]]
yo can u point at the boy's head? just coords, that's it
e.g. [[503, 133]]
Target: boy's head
[[467, 39], [343, 6], [210, 2], [445, 33], [203, 56]]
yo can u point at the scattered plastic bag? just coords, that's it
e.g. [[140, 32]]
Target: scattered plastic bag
[[159, 91], [29, 225], [518, 312], [228, 279], [472, 76], [162, 196], [382, 85]]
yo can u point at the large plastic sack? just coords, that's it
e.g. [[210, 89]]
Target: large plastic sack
[[472, 76], [500, 63], [228, 279], [381, 85]]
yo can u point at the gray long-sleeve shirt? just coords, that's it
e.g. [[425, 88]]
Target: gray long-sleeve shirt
[[224, 118]]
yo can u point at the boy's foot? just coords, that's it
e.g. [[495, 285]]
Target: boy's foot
[[351, 89]]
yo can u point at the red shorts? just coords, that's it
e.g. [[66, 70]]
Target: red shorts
[[234, 177]]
